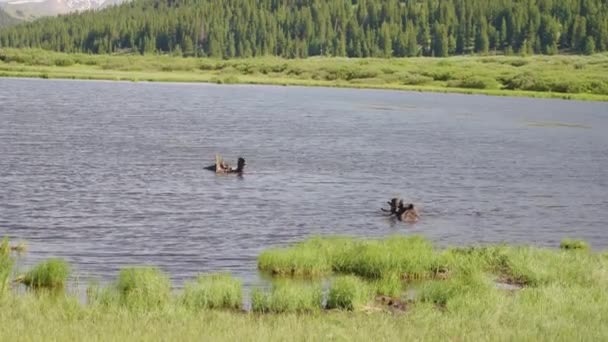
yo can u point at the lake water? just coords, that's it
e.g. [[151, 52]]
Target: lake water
[[110, 174]]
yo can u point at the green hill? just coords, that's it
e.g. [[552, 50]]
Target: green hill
[[301, 28]]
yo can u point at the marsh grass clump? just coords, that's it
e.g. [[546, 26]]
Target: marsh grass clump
[[309, 258], [410, 257], [389, 285], [569, 244], [348, 293], [6, 265], [143, 288], [288, 296], [50, 274], [213, 291], [441, 292]]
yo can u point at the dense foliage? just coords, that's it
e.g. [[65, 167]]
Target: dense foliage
[[300, 28]]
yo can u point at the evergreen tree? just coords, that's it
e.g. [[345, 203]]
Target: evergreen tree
[[354, 28]]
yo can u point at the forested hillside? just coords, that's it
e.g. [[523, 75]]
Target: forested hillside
[[300, 28], [6, 20]]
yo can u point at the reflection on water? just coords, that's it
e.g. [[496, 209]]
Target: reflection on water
[[111, 174]]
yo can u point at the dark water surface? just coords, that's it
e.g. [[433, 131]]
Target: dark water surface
[[110, 174]]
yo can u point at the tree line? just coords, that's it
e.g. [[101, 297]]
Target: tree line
[[301, 28]]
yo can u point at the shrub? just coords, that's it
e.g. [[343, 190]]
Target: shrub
[[414, 79], [474, 82]]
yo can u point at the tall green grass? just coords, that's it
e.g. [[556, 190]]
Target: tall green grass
[[6, 265], [213, 291], [574, 244], [349, 293], [49, 274], [143, 288], [410, 257], [288, 296], [562, 292]]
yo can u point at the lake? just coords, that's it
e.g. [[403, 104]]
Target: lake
[[110, 174]]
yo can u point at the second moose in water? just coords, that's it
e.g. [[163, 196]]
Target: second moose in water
[[222, 167], [406, 213]]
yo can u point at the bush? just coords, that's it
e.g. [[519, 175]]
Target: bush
[[64, 61], [414, 79], [525, 81], [474, 82], [215, 291]]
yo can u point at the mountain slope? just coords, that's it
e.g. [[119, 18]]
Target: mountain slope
[[7, 20], [33, 9], [354, 28]]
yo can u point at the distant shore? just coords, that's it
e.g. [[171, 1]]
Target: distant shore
[[563, 77]]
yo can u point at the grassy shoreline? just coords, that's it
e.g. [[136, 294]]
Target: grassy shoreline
[[555, 295], [562, 77]]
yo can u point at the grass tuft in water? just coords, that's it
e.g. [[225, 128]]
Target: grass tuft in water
[[411, 257], [6, 266], [213, 291], [143, 288], [390, 285], [348, 293], [570, 244], [297, 261], [288, 296], [440, 292], [49, 274]]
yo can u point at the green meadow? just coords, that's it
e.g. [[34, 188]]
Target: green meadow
[[327, 288], [560, 76]]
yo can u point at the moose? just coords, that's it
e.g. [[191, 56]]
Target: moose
[[405, 213]]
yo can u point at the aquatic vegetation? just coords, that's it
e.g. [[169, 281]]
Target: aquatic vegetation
[[143, 288], [6, 265], [50, 274], [349, 293], [411, 257], [288, 296], [389, 285], [458, 299], [574, 244], [313, 257], [213, 291], [440, 292]]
